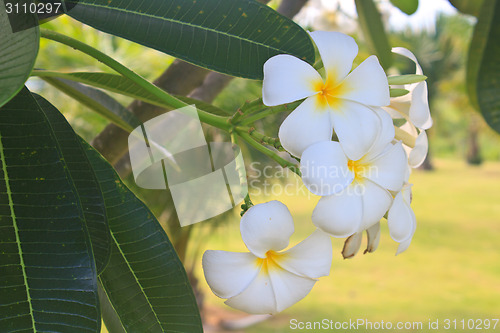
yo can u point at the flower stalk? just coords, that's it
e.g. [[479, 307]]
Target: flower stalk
[[280, 160]]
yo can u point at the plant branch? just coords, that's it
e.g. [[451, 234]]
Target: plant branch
[[216, 121], [280, 160], [270, 111]]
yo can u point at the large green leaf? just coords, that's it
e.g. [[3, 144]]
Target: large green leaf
[[18, 51], [374, 33], [98, 101], [483, 67], [121, 85], [89, 192], [144, 280], [48, 278], [406, 6], [471, 7], [111, 82], [234, 37]]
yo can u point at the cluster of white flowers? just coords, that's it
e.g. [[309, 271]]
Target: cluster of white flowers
[[361, 178]]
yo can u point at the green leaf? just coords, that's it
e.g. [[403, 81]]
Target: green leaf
[[98, 101], [234, 37], [144, 280], [405, 79], [471, 7], [89, 192], [398, 92], [111, 82], [18, 51], [406, 6], [124, 86], [48, 277], [109, 315], [373, 30], [483, 67]]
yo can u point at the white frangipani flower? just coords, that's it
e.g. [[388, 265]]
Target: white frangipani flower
[[265, 281], [414, 106], [401, 219], [339, 101], [326, 171]]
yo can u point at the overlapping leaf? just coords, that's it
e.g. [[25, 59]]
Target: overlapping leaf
[[124, 86], [374, 33], [98, 101], [483, 67], [144, 280], [471, 7], [234, 37], [48, 277], [87, 188], [18, 51], [407, 6]]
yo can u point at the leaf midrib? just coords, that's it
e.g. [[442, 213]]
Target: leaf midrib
[[16, 229], [136, 280], [183, 23]]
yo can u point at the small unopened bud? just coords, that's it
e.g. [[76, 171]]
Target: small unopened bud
[[352, 245]]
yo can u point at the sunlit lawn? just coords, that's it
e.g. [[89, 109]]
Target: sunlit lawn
[[451, 271]]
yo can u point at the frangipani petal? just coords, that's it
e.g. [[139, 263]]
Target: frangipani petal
[[419, 112], [385, 136], [352, 245], [373, 234], [257, 298], [287, 79], [337, 52], [357, 127], [229, 273], [401, 219], [310, 258], [406, 192], [367, 84], [408, 54], [399, 107], [340, 215], [418, 154], [273, 290], [324, 168], [388, 170], [266, 226], [289, 288], [376, 202], [403, 246], [304, 126]]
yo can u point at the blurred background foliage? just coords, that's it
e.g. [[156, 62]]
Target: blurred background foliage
[[462, 238]]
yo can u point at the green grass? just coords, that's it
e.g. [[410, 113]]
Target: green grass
[[451, 271]]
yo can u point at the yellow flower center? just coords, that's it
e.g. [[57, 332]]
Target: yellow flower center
[[356, 167], [269, 262], [328, 93]]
